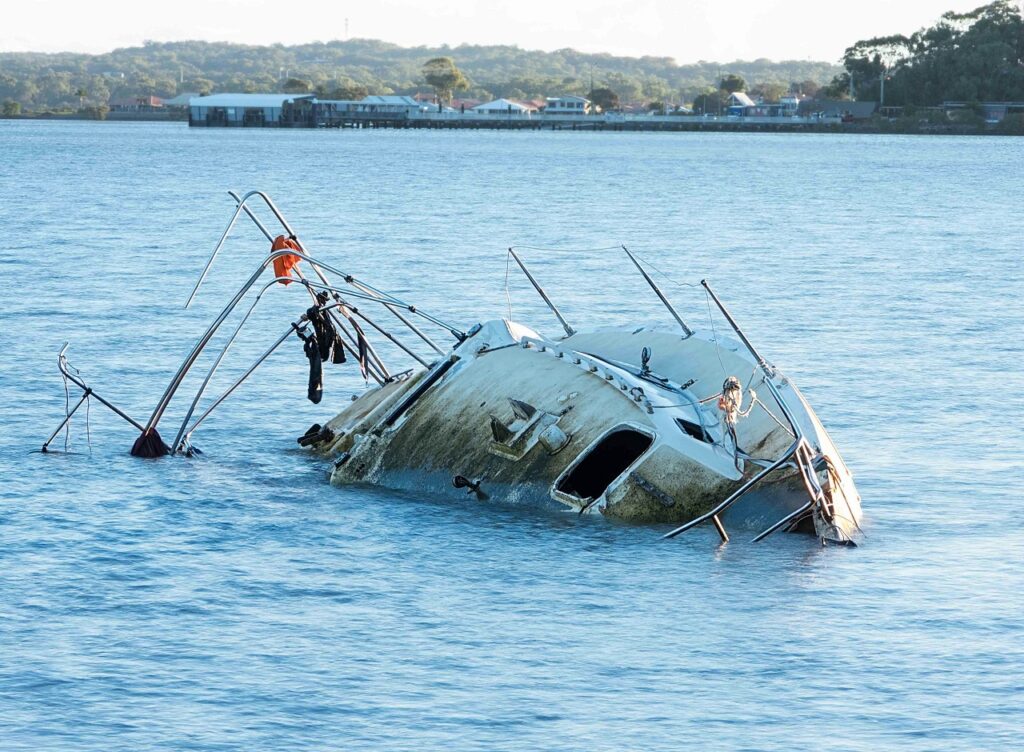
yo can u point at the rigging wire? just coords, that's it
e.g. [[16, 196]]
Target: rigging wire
[[566, 250], [714, 333], [67, 411]]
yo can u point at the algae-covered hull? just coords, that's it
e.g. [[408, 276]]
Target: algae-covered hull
[[623, 423]]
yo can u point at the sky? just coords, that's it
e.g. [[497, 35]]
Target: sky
[[687, 30]]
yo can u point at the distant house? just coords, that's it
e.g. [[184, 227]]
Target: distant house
[[503, 107], [838, 108], [251, 110], [136, 104], [461, 105], [738, 102], [567, 106]]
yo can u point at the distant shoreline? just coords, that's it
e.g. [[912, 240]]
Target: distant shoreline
[[687, 125]]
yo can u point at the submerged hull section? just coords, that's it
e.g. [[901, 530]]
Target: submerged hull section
[[577, 424]]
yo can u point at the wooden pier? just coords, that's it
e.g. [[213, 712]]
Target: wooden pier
[[665, 123]]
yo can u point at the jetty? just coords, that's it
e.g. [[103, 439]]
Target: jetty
[[402, 112]]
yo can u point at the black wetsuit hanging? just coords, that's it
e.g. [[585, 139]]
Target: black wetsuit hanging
[[327, 337], [316, 370]]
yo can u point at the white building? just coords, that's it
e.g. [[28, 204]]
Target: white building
[[503, 107], [740, 99], [391, 103], [567, 106]]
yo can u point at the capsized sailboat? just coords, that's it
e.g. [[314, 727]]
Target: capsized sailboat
[[664, 425]]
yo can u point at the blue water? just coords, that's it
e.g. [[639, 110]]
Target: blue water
[[237, 601]]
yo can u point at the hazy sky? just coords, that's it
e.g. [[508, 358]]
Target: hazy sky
[[687, 30]]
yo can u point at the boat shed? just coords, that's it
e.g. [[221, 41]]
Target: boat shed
[[390, 103], [283, 110]]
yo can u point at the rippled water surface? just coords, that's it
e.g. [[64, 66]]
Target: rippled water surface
[[237, 601]]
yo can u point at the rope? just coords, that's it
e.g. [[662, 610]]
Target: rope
[[663, 274], [88, 429], [67, 411], [764, 407], [67, 403], [714, 333]]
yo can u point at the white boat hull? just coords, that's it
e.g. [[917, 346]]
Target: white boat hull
[[512, 417]]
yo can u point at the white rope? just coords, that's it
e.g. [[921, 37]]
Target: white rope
[[764, 407], [714, 333], [67, 412]]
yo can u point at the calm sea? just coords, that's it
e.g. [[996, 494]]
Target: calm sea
[[238, 601]]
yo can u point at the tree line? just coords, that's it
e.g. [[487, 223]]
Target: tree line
[[351, 69], [970, 57], [966, 57]]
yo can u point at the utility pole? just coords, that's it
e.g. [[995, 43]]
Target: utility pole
[[881, 93], [719, 97]]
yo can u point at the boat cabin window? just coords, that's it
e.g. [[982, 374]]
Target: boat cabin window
[[605, 462]]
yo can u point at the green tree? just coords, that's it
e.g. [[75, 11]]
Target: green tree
[[769, 92], [709, 103], [81, 94], [98, 112], [296, 86], [201, 86], [604, 99], [344, 88], [807, 88], [12, 108], [964, 57], [40, 81], [441, 74], [732, 83]]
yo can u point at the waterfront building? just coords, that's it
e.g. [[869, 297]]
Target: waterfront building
[[567, 106], [136, 104], [251, 110], [503, 107], [390, 104], [738, 103]]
